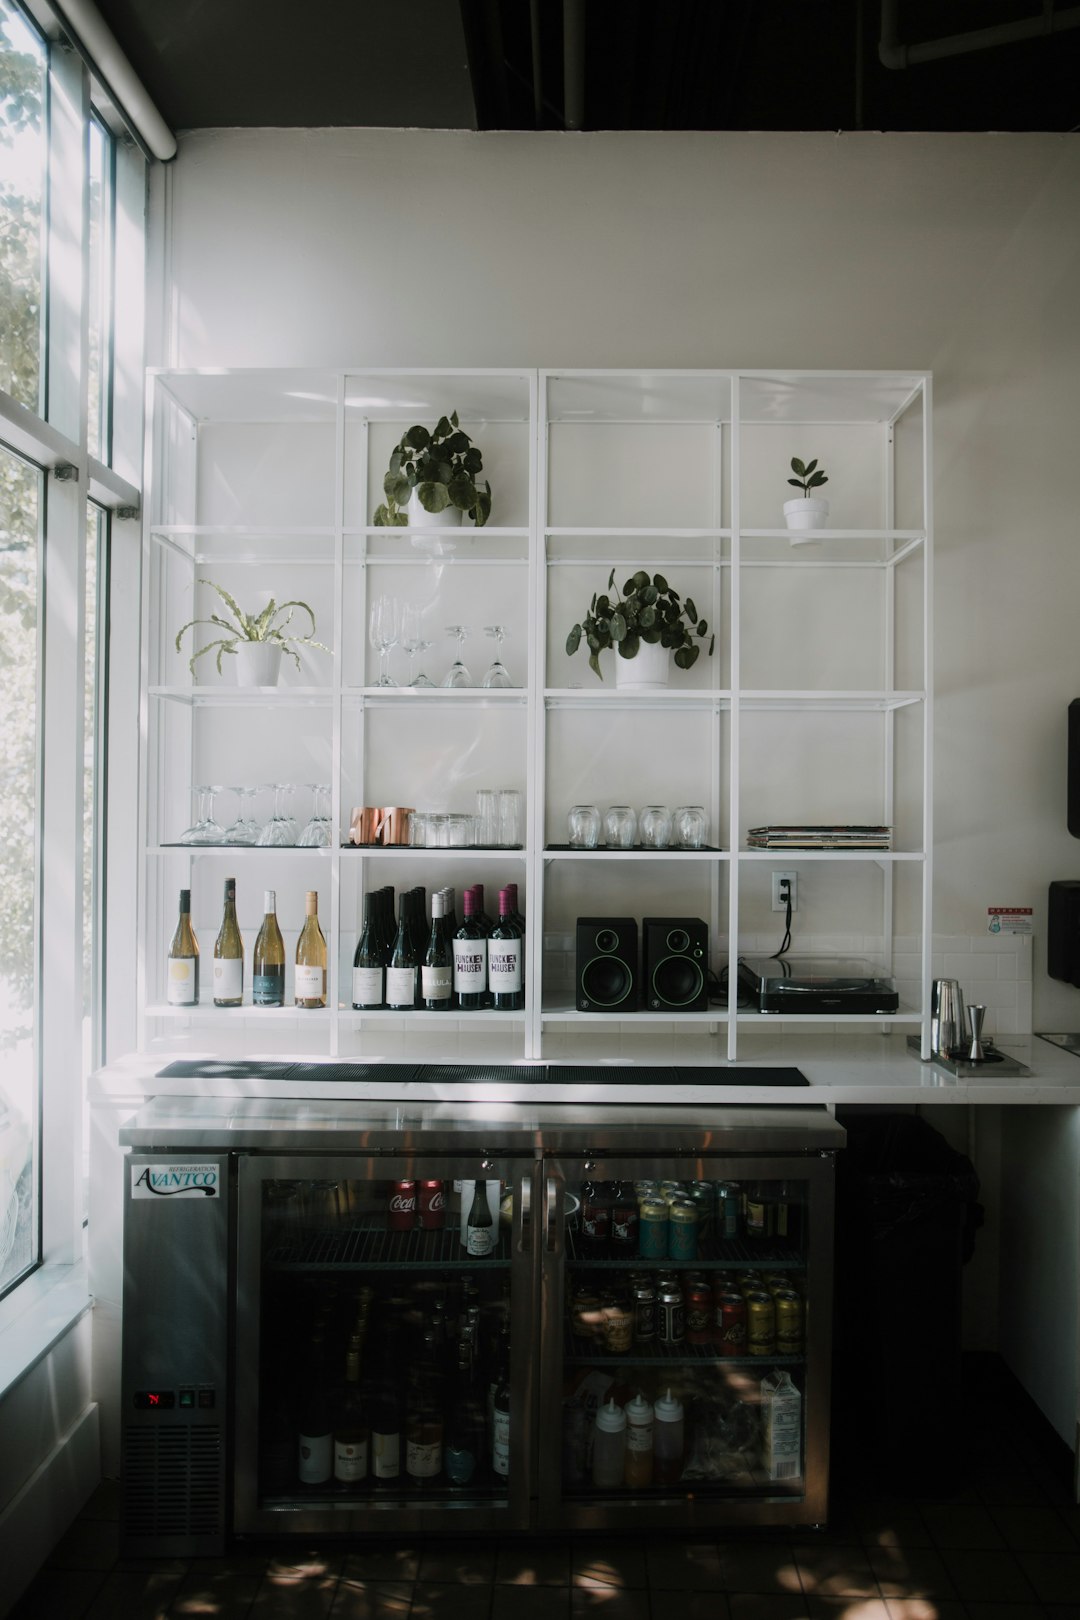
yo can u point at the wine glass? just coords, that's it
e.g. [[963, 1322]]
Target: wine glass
[[316, 835], [458, 675], [414, 641], [280, 830], [498, 675], [245, 829], [384, 630], [204, 829]]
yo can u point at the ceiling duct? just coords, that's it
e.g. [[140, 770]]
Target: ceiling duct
[[893, 54]]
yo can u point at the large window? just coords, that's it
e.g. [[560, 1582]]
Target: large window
[[22, 198]]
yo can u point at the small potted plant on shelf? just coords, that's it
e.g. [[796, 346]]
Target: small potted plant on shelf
[[431, 479], [808, 512], [647, 623], [256, 640]]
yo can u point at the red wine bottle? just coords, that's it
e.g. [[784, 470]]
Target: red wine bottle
[[470, 959], [505, 965]]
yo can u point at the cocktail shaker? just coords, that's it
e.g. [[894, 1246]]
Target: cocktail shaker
[[948, 1022]]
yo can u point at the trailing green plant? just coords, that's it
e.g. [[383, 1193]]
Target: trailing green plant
[[810, 475], [647, 609], [267, 626], [441, 466]]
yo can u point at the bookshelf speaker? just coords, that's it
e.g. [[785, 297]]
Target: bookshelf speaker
[[675, 964], [606, 965]]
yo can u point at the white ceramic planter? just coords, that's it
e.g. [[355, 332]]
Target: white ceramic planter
[[420, 518], [650, 671], [805, 513], [258, 663]]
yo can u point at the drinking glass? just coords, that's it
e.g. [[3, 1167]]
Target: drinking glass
[[655, 824], [498, 675], [414, 641], [487, 811], [316, 835], [245, 829], [384, 630], [204, 829], [458, 675], [620, 827], [509, 818], [280, 830], [583, 826], [691, 825]]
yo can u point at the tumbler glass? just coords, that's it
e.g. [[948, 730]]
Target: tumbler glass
[[691, 825], [620, 827], [509, 818], [583, 826], [487, 810], [655, 825]]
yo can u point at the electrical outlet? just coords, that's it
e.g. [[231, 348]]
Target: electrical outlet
[[780, 894]]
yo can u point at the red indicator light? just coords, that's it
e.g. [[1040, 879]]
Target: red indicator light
[[155, 1400]]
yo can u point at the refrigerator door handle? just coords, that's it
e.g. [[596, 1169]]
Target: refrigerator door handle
[[551, 1214], [523, 1218]]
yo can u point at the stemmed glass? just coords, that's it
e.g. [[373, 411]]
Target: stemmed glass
[[316, 835], [458, 675], [204, 830], [498, 675], [280, 830], [384, 629], [413, 640], [245, 829]]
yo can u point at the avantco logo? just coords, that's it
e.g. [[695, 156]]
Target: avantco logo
[[175, 1181]]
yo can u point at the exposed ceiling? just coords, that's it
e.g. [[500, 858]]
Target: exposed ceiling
[[599, 64]]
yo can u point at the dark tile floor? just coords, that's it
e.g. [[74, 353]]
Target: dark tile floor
[[995, 1537]]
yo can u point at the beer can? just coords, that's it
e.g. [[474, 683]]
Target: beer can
[[595, 1219], [698, 1313], [624, 1223], [789, 1322], [644, 1312], [760, 1324], [731, 1316], [683, 1222], [402, 1208], [702, 1194], [432, 1206], [728, 1209], [670, 1316], [653, 1229]]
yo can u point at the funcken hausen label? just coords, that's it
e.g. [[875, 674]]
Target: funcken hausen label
[[175, 1181]]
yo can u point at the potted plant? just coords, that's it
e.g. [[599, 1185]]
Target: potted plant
[[808, 512], [256, 640], [433, 474], [645, 623]]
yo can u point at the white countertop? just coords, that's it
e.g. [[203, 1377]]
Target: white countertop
[[841, 1069]]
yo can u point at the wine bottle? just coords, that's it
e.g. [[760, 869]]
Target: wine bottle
[[437, 968], [386, 1419], [505, 979], [424, 1417], [310, 978], [351, 1434], [465, 1428], [315, 1435], [403, 971], [418, 931], [369, 973], [470, 959], [268, 959], [481, 915], [229, 954], [480, 1225], [450, 915], [518, 916], [182, 982], [500, 1419]]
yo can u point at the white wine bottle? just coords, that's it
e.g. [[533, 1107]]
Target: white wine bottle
[[229, 955], [268, 959], [182, 982], [310, 984]]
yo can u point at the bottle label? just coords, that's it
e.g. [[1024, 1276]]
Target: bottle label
[[639, 1436], [460, 1464], [316, 1458], [479, 1240], [228, 978], [386, 1455], [400, 986], [268, 987], [500, 1443], [367, 986], [180, 985], [350, 1460], [310, 982], [504, 966], [436, 983], [470, 966], [423, 1461]]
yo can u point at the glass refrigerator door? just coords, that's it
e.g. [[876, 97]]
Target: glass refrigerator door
[[384, 1308], [687, 1330]]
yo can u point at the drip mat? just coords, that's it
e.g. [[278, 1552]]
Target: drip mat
[[496, 1074]]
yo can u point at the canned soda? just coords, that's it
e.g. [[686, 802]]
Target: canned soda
[[760, 1324], [402, 1206], [702, 1194], [670, 1317], [432, 1206], [653, 1229], [683, 1222], [789, 1322], [698, 1313], [731, 1322], [728, 1209], [644, 1312]]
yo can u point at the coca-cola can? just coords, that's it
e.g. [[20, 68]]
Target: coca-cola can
[[402, 1206], [432, 1206]]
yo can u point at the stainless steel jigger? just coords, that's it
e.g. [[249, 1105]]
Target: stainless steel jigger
[[976, 1054]]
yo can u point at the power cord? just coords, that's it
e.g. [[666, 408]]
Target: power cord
[[785, 943]]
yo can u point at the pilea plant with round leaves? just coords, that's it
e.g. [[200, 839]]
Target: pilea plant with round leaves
[[809, 475], [441, 466], [647, 609]]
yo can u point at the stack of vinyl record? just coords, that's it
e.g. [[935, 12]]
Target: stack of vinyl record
[[806, 836]]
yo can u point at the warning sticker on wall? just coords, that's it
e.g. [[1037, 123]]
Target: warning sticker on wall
[[175, 1181], [1009, 919]]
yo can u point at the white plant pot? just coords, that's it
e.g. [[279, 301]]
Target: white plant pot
[[420, 518], [258, 663], [805, 513], [649, 671]]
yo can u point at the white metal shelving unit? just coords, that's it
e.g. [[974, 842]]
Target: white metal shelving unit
[[816, 705]]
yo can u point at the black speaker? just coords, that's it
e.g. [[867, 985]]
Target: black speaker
[[1073, 808], [675, 964], [606, 968], [1063, 932]]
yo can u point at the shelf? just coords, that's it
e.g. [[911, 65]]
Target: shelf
[[563, 852], [689, 1354], [725, 1254], [881, 857], [481, 1017], [205, 1010], [246, 696], [570, 1015], [455, 851], [365, 1246], [244, 850], [472, 696], [827, 701], [802, 537], [604, 696]]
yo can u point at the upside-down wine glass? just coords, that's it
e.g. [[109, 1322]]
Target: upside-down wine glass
[[414, 641], [384, 629], [458, 675], [280, 830], [316, 835], [245, 829], [204, 829], [498, 676]]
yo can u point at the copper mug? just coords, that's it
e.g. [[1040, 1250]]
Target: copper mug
[[393, 827], [365, 823]]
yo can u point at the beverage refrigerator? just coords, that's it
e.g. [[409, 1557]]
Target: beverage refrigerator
[[324, 1327]]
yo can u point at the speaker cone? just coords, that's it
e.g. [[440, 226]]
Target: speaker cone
[[606, 980], [678, 980]]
